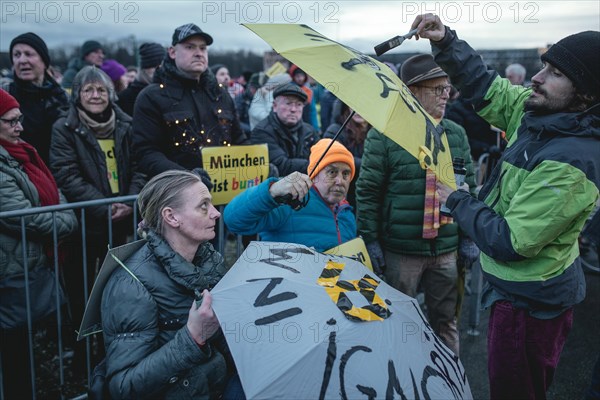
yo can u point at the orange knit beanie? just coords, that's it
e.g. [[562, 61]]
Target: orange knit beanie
[[337, 153]]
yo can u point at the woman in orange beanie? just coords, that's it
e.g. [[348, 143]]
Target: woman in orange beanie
[[325, 221]]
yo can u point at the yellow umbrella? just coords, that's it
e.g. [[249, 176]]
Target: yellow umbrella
[[368, 87]]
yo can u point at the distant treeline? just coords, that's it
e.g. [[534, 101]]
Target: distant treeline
[[122, 51], [244, 60]]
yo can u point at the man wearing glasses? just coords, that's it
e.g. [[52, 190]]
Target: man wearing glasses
[[406, 237]]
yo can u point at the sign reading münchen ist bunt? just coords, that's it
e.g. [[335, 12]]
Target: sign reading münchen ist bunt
[[234, 169]]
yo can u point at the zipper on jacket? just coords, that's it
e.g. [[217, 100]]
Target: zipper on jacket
[[337, 226]]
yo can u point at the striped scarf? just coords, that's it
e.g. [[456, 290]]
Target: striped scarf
[[432, 220]]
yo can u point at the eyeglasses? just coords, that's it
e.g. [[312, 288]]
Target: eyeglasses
[[438, 90], [13, 122], [89, 92]]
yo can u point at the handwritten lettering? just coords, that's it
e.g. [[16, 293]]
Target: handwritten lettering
[[284, 254], [263, 299]]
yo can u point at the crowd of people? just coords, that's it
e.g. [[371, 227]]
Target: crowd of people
[[107, 130]]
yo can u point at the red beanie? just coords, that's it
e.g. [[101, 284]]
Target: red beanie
[[7, 102]]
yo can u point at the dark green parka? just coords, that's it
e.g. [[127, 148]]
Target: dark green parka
[[390, 194]]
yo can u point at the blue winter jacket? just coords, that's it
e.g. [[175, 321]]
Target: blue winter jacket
[[316, 225]]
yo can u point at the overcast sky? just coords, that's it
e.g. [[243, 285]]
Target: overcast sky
[[359, 24]]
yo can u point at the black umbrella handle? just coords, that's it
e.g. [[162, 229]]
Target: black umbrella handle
[[296, 204]]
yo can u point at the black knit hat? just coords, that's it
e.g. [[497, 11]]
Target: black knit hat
[[33, 40], [151, 55], [578, 57], [90, 46]]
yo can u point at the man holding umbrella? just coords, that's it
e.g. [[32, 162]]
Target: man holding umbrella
[[397, 214], [531, 211], [325, 221]]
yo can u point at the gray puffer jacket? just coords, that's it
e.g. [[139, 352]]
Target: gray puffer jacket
[[17, 192], [149, 350]]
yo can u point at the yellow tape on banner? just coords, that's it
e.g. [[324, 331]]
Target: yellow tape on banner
[[336, 289]]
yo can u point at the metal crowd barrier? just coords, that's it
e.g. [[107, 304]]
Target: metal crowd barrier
[[81, 213], [81, 206]]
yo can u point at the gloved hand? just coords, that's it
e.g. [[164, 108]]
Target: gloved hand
[[468, 252], [204, 176], [376, 256]]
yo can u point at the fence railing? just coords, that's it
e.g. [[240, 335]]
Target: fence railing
[[81, 208], [60, 386]]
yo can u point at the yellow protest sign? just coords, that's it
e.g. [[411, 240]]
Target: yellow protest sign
[[234, 169], [276, 69], [355, 249]]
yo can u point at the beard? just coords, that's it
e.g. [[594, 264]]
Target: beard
[[549, 104]]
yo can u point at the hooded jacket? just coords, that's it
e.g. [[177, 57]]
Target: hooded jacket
[[72, 69], [537, 199], [176, 117]]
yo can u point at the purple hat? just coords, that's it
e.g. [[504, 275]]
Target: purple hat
[[113, 69]]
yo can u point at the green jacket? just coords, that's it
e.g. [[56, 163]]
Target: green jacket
[[532, 209], [390, 194]]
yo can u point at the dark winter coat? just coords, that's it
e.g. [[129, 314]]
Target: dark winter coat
[[150, 352], [79, 165], [128, 96], [175, 119], [287, 153], [42, 106], [72, 69], [17, 192]]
